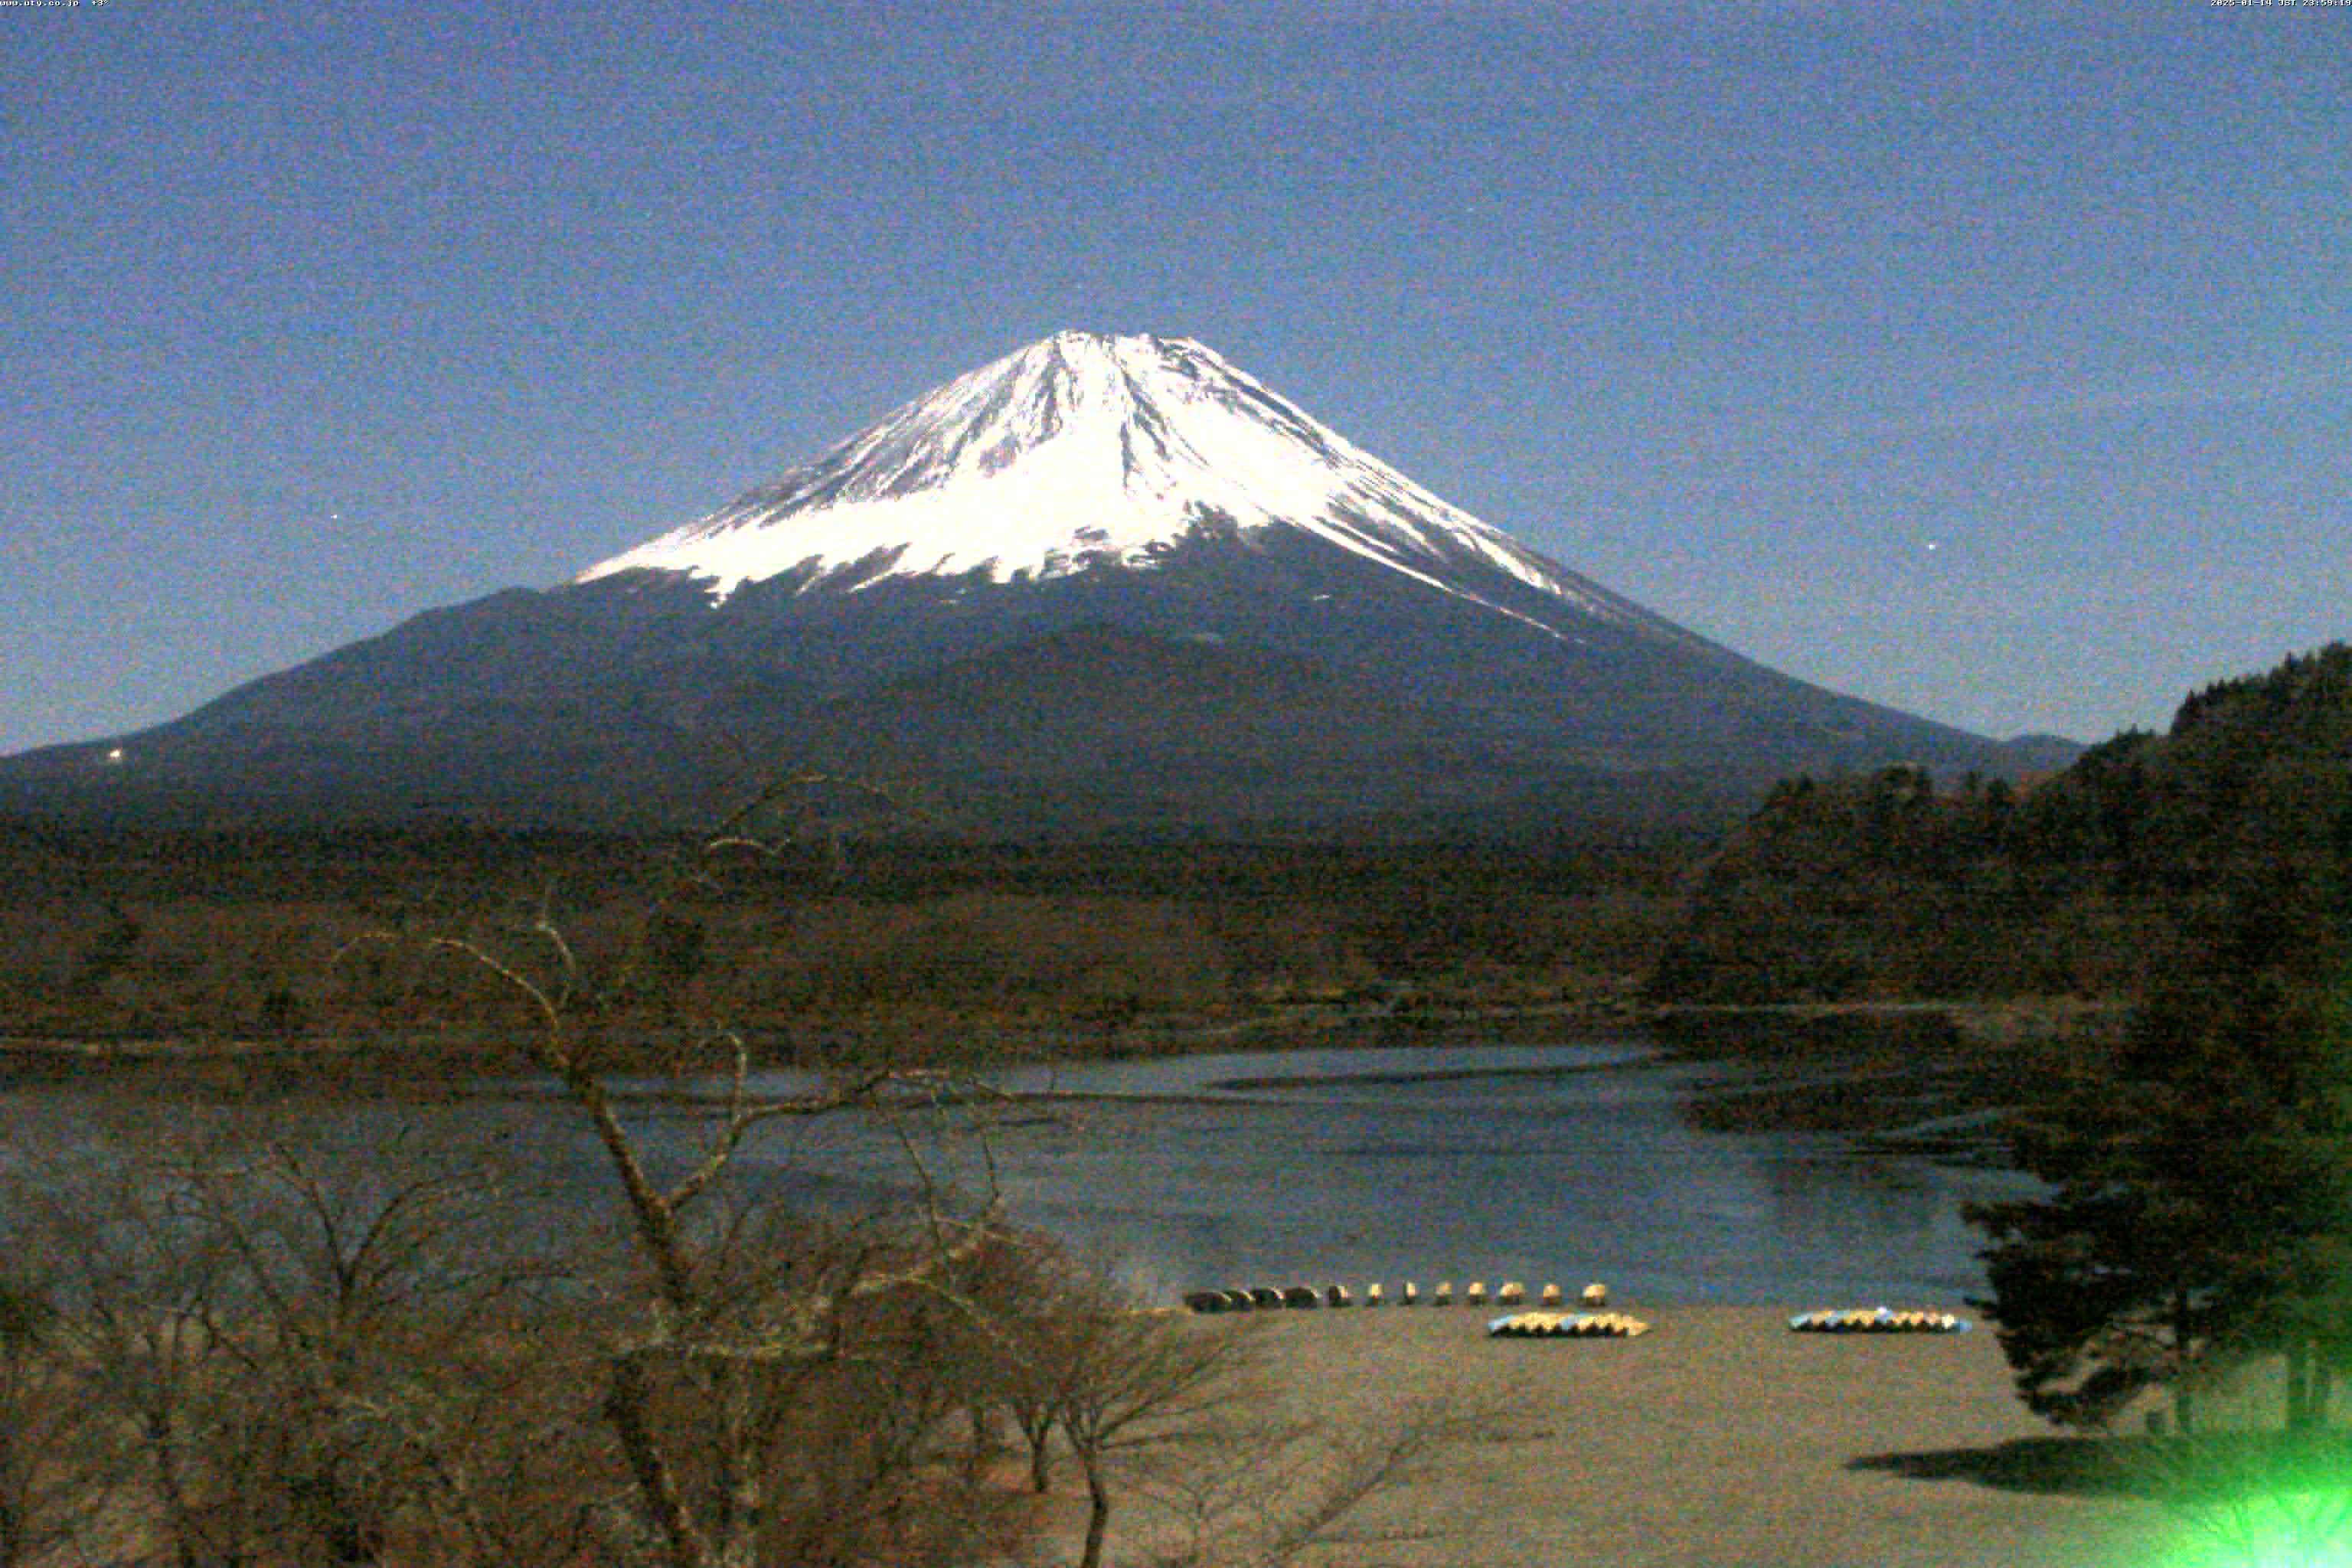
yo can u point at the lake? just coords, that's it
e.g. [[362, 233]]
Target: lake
[[1585, 1160], [1592, 1158]]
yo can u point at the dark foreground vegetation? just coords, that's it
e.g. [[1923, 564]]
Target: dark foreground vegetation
[[237, 1339], [2200, 1211]]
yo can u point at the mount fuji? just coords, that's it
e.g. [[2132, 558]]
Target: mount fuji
[[1102, 583], [1083, 452]]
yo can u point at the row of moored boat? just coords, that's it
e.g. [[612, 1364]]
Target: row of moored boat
[[1295, 1298]]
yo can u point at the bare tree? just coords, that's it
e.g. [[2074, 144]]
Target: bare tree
[[726, 1333], [1175, 1410], [43, 1490], [319, 1351], [303, 1342], [143, 1300], [1012, 1300], [1080, 1355], [1259, 1493], [363, 1276], [279, 1341]]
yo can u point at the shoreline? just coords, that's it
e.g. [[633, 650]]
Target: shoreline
[[1975, 1022]]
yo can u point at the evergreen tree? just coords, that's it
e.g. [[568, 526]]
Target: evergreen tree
[[2202, 1202]]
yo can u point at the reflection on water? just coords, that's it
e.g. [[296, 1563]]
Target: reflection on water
[[1564, 1162]]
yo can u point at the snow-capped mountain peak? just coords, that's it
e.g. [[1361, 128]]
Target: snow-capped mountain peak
[[1105, 583], [1087, 450]]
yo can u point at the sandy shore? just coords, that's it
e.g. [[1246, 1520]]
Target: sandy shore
[[1717, 1439]]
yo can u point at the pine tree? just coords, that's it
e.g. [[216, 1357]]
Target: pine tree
[[2202, 1203]]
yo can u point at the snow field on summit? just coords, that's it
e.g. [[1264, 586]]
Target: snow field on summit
[[1083, 450]]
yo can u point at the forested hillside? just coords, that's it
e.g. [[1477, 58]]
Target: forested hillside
[[2078, 883]]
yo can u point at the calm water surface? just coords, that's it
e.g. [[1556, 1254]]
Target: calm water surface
[[1571, 1161]]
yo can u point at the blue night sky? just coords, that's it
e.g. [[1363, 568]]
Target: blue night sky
[[1990, 361]]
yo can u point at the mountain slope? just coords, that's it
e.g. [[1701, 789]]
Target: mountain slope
[[1274, 625]]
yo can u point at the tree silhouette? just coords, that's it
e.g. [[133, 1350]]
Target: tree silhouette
[[2202, 1203]]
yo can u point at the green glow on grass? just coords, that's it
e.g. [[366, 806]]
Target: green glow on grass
[[2258, 1537], [2275, 1504]]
